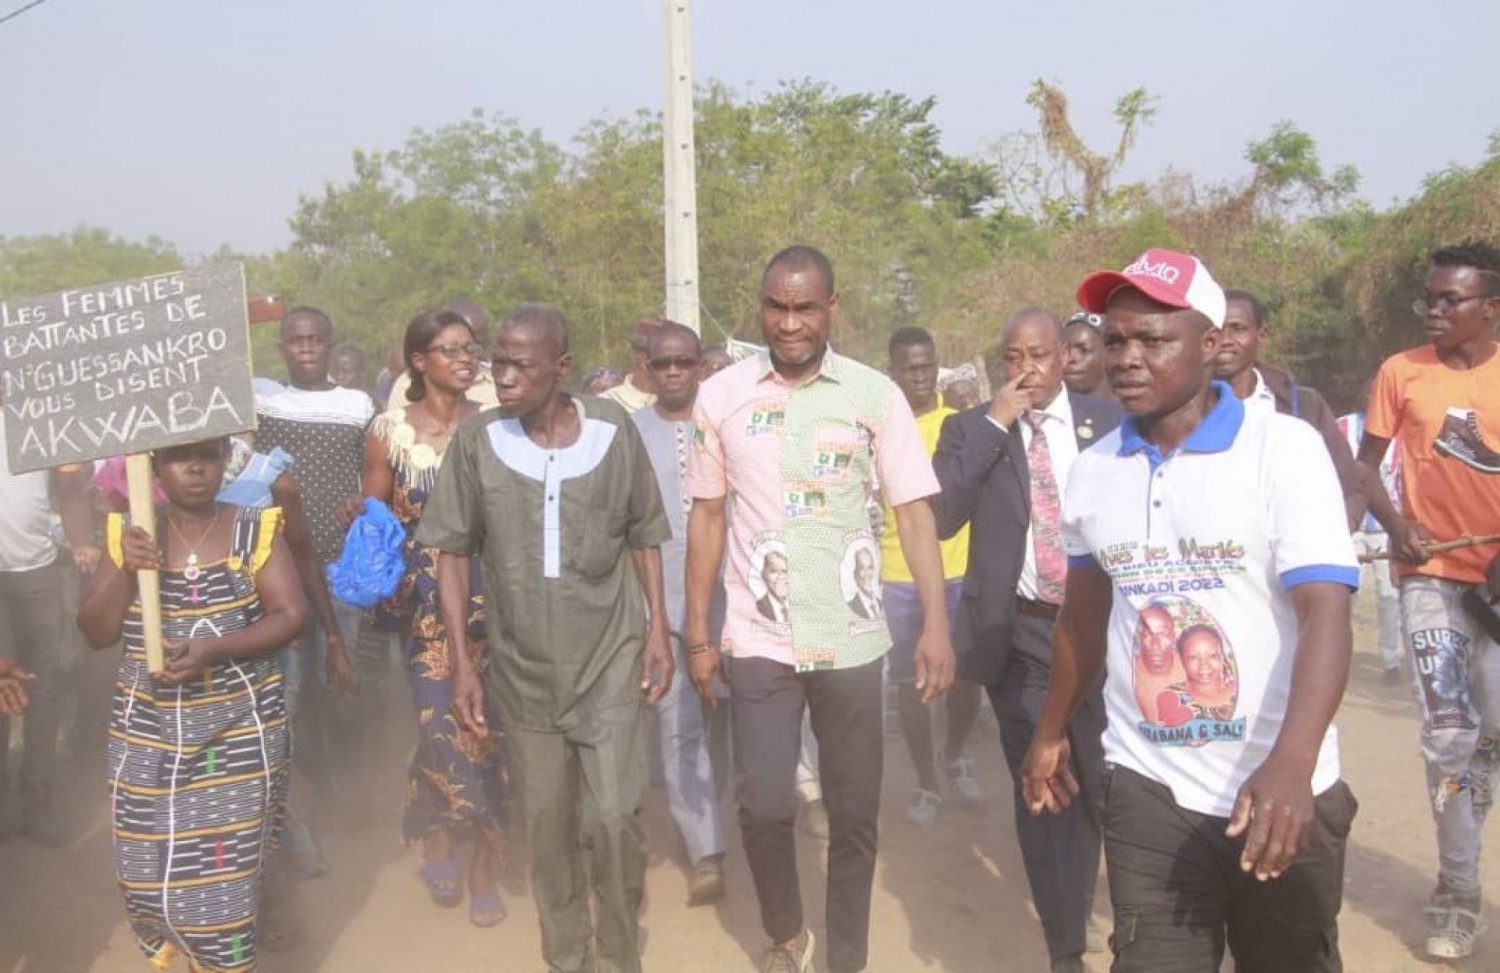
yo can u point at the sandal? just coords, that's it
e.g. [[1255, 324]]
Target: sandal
[[486, 909], [441, 879]]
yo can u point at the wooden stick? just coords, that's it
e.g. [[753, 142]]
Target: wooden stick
[[143, 514], [1474, 541]]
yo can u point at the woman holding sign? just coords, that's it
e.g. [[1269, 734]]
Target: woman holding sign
[[198, 753]]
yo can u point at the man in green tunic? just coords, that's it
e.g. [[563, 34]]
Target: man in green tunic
[[550, 491]]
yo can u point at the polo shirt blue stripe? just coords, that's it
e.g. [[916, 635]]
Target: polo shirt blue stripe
[[1310, 573]]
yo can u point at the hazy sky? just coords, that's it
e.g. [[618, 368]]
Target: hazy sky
[[201, 122]]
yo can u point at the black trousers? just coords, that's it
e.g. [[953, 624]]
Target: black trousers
[[766, 711], [1177, 887], [1060, 851]]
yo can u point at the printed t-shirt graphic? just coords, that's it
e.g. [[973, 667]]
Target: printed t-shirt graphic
[[1186, 681], [800, 463], [1410, 402], [1202, 546]]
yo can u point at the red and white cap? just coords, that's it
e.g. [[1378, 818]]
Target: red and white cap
[[1166, 276]]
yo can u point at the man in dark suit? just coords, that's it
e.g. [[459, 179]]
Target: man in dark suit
[[1003, 466]]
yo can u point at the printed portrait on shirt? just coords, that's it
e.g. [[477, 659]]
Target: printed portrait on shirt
[[1184, 675], [771, 581], [859, 576]]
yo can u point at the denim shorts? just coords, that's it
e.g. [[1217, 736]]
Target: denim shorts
[[903, 613]]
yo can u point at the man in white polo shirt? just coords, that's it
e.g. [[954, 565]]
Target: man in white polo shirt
[[1226, 817]]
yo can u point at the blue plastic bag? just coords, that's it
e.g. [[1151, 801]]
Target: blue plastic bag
[[373, 562]]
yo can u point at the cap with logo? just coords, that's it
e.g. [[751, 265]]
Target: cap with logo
[[1167, 277]]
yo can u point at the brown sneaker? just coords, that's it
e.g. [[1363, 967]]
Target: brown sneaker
[[707, 884]]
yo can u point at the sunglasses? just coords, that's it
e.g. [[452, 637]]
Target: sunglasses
[[682, 362]]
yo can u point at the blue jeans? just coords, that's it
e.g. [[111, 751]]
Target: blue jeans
[[1456, 680], [903, 612]]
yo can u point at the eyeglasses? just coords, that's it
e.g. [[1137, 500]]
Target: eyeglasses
[[1444, 305], [453, 352], [682, 362]]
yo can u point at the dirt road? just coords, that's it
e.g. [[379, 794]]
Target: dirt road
[[951, 897]]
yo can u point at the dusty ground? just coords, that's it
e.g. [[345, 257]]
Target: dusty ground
[[952, 897]]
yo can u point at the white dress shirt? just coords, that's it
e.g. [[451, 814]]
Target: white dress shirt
[[1062, 444]]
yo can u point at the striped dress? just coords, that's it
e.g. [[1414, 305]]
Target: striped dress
[[198, 773]]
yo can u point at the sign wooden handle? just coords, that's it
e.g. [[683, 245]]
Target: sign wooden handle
[[143, 514]]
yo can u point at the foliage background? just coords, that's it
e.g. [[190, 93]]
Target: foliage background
[[487, 208]]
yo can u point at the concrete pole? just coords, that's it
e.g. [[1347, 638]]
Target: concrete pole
[[680, 174]]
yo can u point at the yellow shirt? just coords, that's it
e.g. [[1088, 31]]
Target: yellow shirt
[[955, 550]]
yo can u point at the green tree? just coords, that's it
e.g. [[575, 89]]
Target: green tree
[[32, 265]]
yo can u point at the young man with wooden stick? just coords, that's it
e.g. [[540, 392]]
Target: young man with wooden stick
[[1441, 403]]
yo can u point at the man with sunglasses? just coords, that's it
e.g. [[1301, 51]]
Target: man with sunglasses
[[675, 358], [1441, 403]]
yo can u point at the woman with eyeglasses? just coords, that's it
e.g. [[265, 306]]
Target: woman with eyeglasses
[[456, 791], [1083, 356]]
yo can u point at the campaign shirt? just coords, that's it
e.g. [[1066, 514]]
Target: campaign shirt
[[1202, 546], [802, 462], [1416, 400]]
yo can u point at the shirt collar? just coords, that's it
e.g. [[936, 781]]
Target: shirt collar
[[1060, 408], [1262, 390], [1214, 434], [830, 368]]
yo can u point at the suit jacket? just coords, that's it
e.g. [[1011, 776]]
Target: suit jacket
[[987, 484], [763, 605]]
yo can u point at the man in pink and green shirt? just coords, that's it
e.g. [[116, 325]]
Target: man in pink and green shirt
[[799, 437]]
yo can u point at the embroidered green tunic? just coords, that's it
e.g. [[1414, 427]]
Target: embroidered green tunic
[[553, 528]]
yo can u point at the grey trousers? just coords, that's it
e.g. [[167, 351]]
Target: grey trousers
[[581, 792], [1456, 679], [683, 742], [845, 708], [1060, 851]]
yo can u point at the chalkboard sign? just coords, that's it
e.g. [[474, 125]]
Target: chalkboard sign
[[125, 368]]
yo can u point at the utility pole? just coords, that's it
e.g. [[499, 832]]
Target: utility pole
[[680, 172]]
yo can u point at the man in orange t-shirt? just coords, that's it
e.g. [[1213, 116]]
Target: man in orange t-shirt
[[1441, 402]]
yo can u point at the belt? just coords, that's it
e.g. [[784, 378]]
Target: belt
[[1037, 609]]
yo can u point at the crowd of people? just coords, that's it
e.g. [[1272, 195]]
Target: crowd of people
[[1135, 536]]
